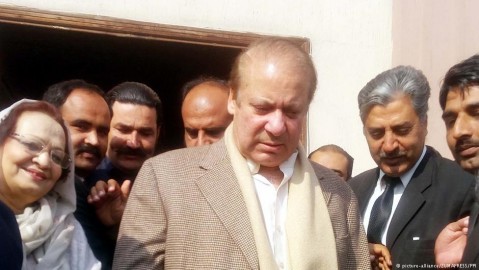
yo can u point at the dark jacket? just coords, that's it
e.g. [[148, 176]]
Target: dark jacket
[[439, 192]]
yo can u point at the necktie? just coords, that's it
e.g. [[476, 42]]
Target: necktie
[[382, 210]]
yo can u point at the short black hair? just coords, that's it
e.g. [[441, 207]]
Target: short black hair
[[136, 93], [58, 93], [461, 75]]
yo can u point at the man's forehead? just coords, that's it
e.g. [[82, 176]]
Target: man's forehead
[[128, 107], [468, 93], [79, 96], [85, 104]]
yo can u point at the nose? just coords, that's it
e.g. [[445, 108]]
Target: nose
[[276, 124], [461, 128], [133, 140], [390, 142], [43, 159], [203, 139], [92, 138]]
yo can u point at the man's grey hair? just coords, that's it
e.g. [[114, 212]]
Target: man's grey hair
[[393, 84]]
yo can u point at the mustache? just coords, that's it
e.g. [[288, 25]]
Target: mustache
[[119, 145], [395, 154], [465, 143], [88, 148], [125, 150]]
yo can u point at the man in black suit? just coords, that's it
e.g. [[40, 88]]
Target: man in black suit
[[459, 99], [87, 115], [414, 193]]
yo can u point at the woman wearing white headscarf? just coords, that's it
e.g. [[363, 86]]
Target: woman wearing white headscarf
[[37, 183]]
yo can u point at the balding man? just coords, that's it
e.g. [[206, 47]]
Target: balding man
[[204, 110], [252, 200], [334, 158]]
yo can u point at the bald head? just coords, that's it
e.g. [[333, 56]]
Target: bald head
[[204, 112]]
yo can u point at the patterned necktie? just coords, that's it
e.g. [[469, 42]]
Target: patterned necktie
[[382, 210]]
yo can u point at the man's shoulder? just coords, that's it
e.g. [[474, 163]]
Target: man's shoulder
[[448, 171], [361, 180], [191, 160], [330, 181], [191, 155]]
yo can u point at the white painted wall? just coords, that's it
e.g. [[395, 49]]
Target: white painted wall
[[433, 35], [351, 43]]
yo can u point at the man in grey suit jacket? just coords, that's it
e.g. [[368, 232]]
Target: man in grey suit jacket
[[428, 192], [251, 200]]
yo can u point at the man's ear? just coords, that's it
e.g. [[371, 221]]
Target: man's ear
[[231, 103]]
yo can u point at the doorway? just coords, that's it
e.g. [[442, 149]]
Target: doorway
[[39, 48]]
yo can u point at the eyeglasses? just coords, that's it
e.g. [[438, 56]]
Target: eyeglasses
[[35, 146]]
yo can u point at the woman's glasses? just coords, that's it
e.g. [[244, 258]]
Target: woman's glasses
[[35, 146]]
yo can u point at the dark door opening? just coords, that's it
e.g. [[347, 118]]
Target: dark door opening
[[34, 58], [39, 48]]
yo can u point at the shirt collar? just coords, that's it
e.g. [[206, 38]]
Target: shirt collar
[[287, 167], [406, 177]]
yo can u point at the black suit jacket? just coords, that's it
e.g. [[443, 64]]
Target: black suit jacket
[[11, 254], [439, 192], [471, 253], [97, 234]]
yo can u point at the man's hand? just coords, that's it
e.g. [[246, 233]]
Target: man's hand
[[450, 243], [109, 200], [380, 257]]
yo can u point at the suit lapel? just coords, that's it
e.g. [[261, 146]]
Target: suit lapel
[[471, 253], [220, 188], [326, 193], [412, 198]]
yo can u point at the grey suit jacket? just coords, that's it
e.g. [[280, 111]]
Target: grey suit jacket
[[186, 211], [439, 192]]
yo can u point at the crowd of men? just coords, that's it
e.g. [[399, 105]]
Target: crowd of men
[[243, 194]]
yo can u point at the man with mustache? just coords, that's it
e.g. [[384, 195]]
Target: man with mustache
[[459, 99], [134, 131], [414, 193], [87, 115]]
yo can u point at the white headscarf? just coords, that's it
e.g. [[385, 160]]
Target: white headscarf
[[47, 226]]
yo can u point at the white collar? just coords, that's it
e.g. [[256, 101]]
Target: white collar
[[287, 167]]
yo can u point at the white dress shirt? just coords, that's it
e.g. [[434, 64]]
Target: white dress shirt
[[398, 191], [274, 205]]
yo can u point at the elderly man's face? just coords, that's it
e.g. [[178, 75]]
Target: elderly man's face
[[395, 136], [269, 111], [461, 116]]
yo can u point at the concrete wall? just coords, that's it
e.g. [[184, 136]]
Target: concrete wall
[[351, 42], [433, 35]]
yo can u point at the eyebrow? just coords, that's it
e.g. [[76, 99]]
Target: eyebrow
[[448, 114], [81, 121]]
